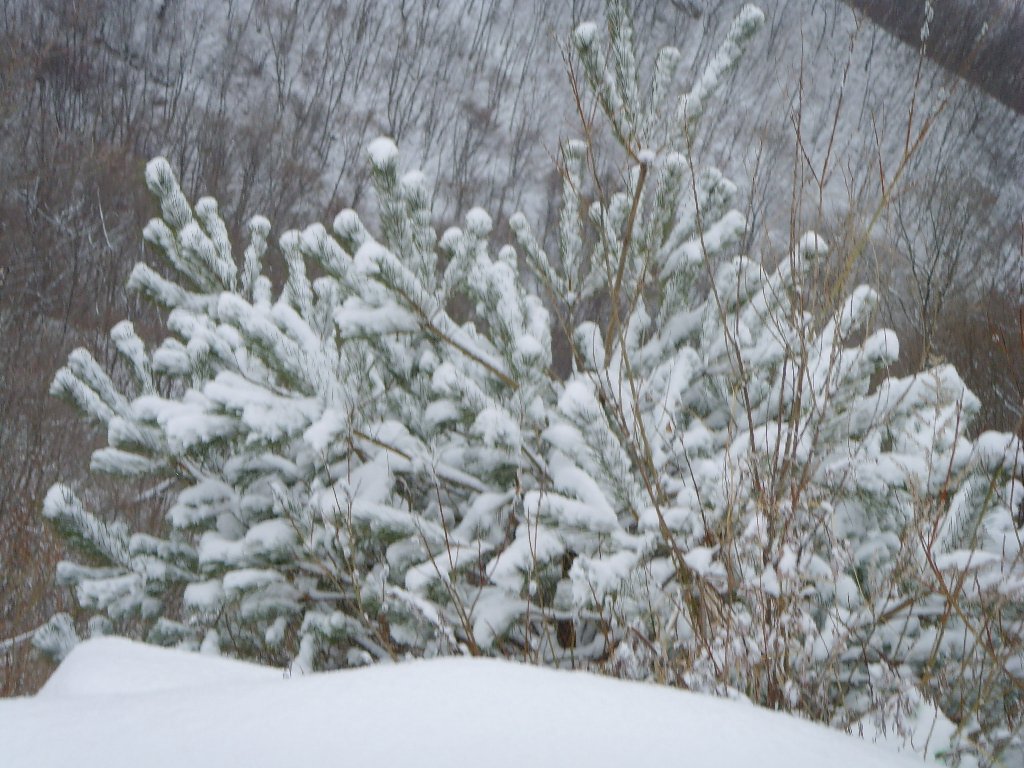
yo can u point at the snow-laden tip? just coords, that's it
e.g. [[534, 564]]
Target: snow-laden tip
[[812, 244], [750, 17], [57, 500], [115, 703], [159, 175], [259, 225], [478, 221], [585, 34], [999, 451], [383, 152]]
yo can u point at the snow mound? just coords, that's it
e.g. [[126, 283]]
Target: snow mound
[[115, 703], [113, 666]]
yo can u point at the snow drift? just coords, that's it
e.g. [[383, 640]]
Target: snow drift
[[117, 703]]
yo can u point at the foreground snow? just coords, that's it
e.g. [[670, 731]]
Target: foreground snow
[[116, 703]]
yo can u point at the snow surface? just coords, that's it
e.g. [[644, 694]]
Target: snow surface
[[117, 703]]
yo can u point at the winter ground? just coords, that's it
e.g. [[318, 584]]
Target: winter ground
[[116, 703]]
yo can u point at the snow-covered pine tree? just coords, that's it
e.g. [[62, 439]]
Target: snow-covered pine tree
[[724, 492]]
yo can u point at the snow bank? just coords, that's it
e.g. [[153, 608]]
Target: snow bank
[[113, 666], [115, 703]]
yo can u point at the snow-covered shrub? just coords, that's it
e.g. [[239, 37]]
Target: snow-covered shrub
[[379, 459]]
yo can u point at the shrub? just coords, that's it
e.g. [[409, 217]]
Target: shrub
[[725, 491]]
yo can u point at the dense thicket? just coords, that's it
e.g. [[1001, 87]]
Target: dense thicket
[[716, 483], [270, 105]]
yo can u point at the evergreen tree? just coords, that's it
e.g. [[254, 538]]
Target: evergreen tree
[[723, 492]]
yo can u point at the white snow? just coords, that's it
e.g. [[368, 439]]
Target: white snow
[[116, 703], [383, 151], [586, 33], [205, 595]]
